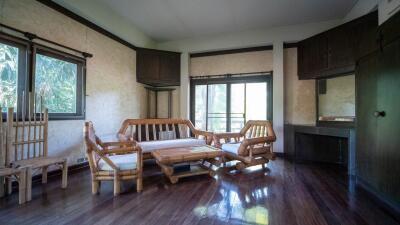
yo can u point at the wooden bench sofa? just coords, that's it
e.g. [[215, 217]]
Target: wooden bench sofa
[[154, 134]]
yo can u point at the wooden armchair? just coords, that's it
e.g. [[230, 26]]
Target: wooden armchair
[[114, 163], [251, 146]]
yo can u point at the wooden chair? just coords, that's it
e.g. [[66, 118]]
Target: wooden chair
[[27, 145], [18, 174], [116, 163], [253, 145]]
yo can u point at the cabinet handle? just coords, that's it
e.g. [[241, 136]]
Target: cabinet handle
[[379, 113]]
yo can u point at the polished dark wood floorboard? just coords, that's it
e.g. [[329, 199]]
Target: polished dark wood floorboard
[[283, 194]]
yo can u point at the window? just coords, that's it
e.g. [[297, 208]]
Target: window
[[57, 79], [9, 75], [12, 73], [225, 104]]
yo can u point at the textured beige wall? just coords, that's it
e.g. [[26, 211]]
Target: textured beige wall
[[163, 104], [112, 92], [300, 107], [248, 62], [340, 97]]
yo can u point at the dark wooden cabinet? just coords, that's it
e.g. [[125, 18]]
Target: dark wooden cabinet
[[340, 53], [320, 144], [335, 51], [147, 65], [312, 56], [364, 35], [390, 30], [170, 64], [378, 120], [158, 68]]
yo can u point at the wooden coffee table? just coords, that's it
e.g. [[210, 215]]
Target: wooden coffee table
[[197, 156]]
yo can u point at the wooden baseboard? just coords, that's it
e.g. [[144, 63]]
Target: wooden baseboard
[[390, 207]]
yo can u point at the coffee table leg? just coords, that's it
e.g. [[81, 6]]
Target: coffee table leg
[[211, 172], [168, 171], [173, 179]]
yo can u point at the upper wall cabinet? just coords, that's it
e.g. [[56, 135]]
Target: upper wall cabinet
[[335, 51], [158, 68], [312, 56], [389, 31]]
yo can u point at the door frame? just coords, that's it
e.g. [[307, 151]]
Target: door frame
[[229, 79]]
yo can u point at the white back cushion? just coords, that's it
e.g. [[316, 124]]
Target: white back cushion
[[150, 146]]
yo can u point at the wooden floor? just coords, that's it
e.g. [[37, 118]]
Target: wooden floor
[[285, 194]]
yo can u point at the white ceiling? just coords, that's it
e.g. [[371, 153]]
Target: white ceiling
[[165, 20]]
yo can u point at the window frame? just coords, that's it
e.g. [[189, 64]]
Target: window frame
[[26, 75], [23, 68], [80, 79], [229, 80]]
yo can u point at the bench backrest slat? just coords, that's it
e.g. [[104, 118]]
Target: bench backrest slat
[[149, 129]]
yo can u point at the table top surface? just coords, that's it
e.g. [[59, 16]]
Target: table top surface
[[183, 154]]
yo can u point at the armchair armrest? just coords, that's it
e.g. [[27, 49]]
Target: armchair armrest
[[124, 137], [247, 146], [115, 140], [258, 140], [207, 134], [122, 150], [226, 136]]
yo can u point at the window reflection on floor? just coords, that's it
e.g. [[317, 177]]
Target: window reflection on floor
[[237, 207]]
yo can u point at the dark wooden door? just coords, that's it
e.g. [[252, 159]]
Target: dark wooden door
[[148, 62], [312, 56], [389, 123], [366, 123], [378, 121]]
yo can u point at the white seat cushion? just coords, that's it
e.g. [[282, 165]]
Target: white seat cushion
[[231, 147], [123, 162], [150, 146]]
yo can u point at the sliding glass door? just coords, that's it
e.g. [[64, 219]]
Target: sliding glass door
[[224, 105], [237, 107]]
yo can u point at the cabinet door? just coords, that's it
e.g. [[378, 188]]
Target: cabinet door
[[364, 35], [312, 57], [389, 124], [340, 54], [170, 64], [366, 123], [390, 29], [147, 66]]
